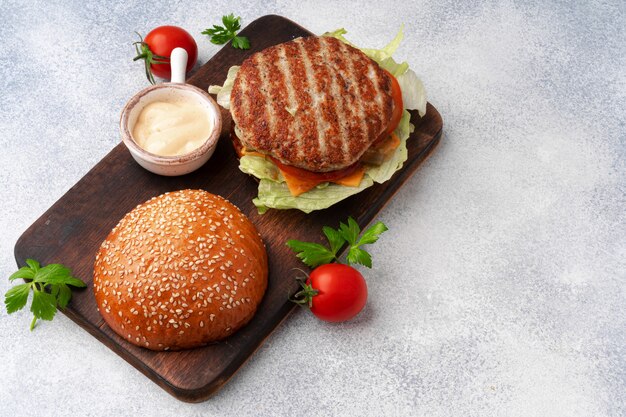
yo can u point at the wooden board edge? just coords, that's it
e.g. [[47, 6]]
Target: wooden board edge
[[205, 392]]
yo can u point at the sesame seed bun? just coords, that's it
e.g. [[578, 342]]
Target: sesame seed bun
[[181, 270]]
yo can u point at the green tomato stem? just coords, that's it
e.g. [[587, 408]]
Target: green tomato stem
[[304, 297], [37, 286]]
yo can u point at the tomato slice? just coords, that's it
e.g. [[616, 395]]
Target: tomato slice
[[398, 107], [236, 142], [316, 176], [396, 94]]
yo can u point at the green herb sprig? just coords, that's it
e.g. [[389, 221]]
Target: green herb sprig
[[50, 288], [221, 34], [314, 254]]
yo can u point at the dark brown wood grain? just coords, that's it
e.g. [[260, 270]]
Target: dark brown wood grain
[[71, 231]]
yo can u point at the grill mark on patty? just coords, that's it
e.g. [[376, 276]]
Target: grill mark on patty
[[357, 121], [382, 84], [257, 112], [306, 117], [239, 100], [286, 138], [314, 93], [266, 86], [368, 93], [328, 103], [283, 67], [338, 95]]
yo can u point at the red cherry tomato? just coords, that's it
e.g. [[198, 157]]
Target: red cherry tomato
[[336, 292], [163, 40]]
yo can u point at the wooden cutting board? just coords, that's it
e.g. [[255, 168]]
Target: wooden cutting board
[[71, 231]]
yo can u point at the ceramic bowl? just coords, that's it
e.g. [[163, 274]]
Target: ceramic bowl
[[170, 165]]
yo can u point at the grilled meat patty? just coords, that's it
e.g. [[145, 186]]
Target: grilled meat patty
[[314, 103]]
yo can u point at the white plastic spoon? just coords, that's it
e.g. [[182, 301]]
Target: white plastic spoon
[[178, 64]]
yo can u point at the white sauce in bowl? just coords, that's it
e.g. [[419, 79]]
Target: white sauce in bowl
[[172, 127]]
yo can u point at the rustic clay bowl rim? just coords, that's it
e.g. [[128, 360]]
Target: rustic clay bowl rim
[[197, 153]]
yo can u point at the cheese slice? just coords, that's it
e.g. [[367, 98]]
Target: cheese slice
[[390, 145], [352, 180], [299, 185], [245, 151]]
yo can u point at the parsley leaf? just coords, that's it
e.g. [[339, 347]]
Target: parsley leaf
[[24, 273], [52, 272], [241, 42], [33, 264], [44, 305], [314, 254], [334, 238], [50, 290], [357, 255], [15, 298], [372, 234], [350, 231], [64, 296], [221, 34]]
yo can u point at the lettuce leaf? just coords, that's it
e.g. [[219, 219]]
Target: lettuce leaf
[[378, 55], [223, 91], [413, 92], [386, 170], [260, 168], [394, 68], [274, 193]]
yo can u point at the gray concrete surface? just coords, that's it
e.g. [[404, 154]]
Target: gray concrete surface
[[500, 289]]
